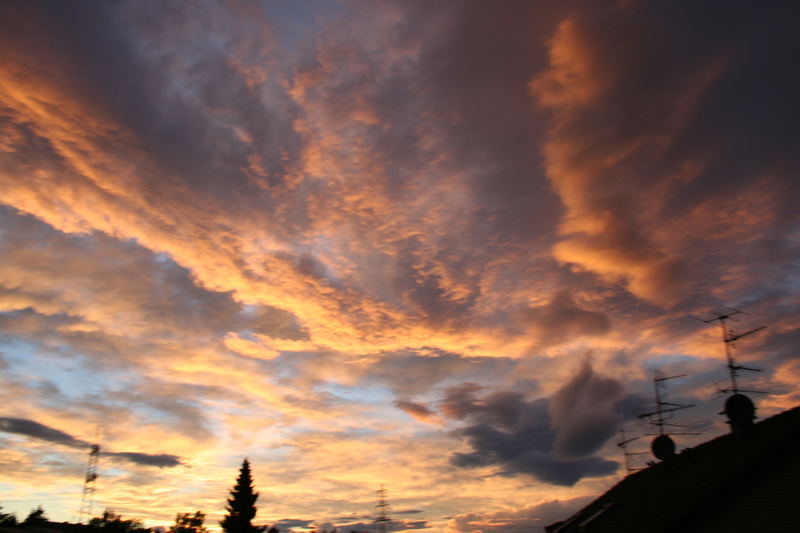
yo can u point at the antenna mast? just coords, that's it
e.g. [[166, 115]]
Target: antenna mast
[[87, 498], [382, 522], [728, 339], [623, 443], [663, 446], [740, 409], [663, 408]]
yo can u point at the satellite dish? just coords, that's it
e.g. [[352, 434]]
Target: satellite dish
[[740, 411], [663, 447]]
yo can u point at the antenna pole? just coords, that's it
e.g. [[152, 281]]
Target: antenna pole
[[664, 407], [623, 443], [663, 447], [87, 498], [728, 352], [382, 522], [659, 405], [728, 338]]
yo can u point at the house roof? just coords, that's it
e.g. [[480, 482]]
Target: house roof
[[748, 481]]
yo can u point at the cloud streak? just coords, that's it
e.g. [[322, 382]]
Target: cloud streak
[[35, 430]]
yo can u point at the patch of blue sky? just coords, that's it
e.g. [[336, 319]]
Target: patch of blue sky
[[57, 459], [37, 368], [359, 393], [297, 22], [9, 440], [654, 364], [351, 432], [380, 402], [111, 471], [154, 414], [56, 506], [698, 376], [163, 258], [247, 334], [250, 310], [289, 363], [791, 280]]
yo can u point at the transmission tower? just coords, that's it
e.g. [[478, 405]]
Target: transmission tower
[[728, 339], [382, 522], [87, 498]]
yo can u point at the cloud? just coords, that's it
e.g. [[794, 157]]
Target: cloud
[[394, 525], [641, 147], [412, 372], [266, 235], [161, 460], [311, 203], [35, 430], [518, 436], [584, 412], [562, 319], [416, 410], [528, 517], [553, 439], [132, 289], [289, 523]]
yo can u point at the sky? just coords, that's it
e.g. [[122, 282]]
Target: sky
[[442, 247]]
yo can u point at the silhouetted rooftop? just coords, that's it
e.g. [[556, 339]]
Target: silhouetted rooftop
[[46, 527], [736, 482]]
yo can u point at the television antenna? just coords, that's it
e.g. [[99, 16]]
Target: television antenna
[[623, 442], [729, 339], [740, 409], [663, 447]]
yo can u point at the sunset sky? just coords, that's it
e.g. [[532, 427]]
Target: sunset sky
[[442, 246]]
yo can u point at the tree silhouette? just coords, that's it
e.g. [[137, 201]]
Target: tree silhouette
[[241, 505], [189, 523], [36, 517], [7, 519], [111, 522]]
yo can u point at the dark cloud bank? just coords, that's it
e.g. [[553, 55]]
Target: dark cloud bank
[[692, 99], [35, 430], [551, 439]]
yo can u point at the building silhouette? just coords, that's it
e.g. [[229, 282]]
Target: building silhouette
[[746, 480]]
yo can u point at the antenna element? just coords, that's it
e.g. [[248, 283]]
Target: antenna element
[[728, 339], [623, 443], [663, 446]]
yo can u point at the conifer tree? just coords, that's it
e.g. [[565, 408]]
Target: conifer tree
[[241, 505]]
